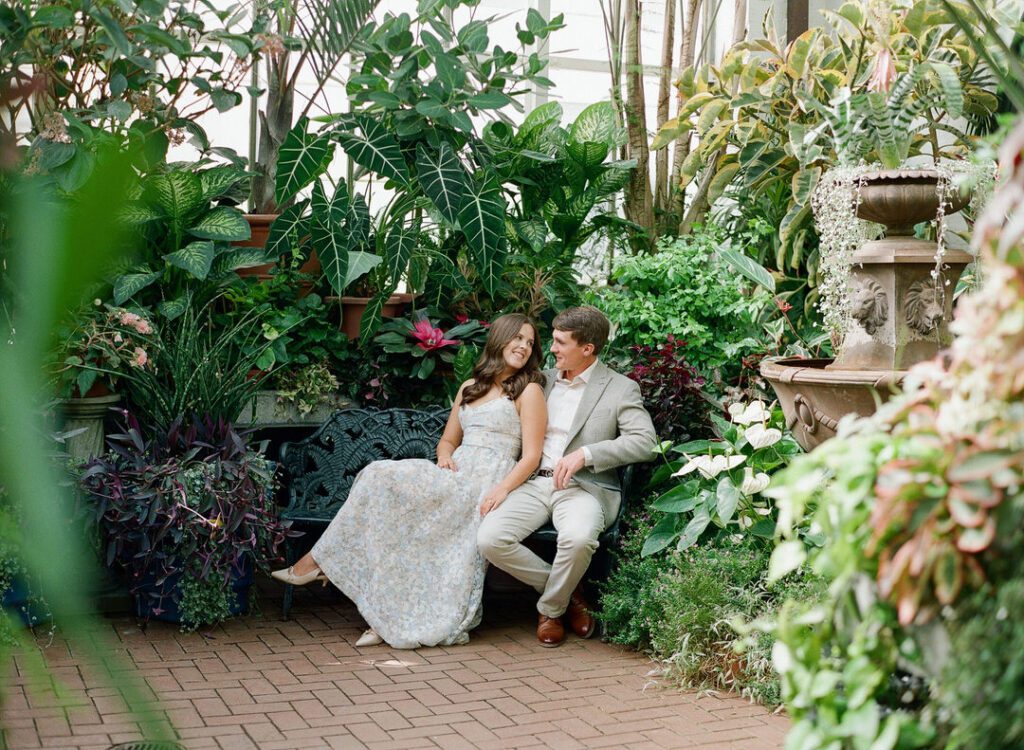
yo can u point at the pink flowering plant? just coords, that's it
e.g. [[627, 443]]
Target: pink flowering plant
[[426, 342], [102, 347]]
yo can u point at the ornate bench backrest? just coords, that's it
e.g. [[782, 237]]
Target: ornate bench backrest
[[322, 467]]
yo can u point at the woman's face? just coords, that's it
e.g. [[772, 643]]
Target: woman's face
[[517, 351]]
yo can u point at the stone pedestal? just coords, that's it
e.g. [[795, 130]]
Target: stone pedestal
[[900, 313], [87, 416]]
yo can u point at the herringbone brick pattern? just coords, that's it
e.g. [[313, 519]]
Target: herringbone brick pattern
[[260, 682]]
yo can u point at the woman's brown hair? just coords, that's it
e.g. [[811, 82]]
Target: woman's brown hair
[[492, 362]]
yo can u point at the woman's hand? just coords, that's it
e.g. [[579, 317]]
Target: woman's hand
[[495, 497], [447, 463]]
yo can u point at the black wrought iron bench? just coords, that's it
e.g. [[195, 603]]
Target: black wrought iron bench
[[319, 470]]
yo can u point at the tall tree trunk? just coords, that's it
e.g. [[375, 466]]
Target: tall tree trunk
[[661, 184], [687, 49], [639, 201]]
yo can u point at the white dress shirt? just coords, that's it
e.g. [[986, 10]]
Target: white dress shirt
[[563, 403]]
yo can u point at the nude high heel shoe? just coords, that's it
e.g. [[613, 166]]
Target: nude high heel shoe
[[369, 638], [288, 576]]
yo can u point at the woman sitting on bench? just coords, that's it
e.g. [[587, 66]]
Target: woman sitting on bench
[[403, 547]]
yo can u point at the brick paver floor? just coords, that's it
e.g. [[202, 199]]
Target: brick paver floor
[[260, 682]]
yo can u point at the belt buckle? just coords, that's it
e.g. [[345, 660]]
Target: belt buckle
[[548, 473]]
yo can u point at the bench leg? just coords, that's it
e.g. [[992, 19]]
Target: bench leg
[[286, 604]]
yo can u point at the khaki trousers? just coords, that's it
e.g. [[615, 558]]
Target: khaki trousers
[[577, 516]]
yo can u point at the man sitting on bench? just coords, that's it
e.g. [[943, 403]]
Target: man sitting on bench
[[596, 422]]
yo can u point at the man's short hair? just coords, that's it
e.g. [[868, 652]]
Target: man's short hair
[[587, 325]]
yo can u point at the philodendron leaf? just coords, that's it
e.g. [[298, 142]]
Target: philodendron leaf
[[334, 255], [302, 158], [482, 218], [748, 267], [360, 263], [442, 179], [195, 257], [223, 223], [130, 284], [372, 146], [286, 231], [398, 249]]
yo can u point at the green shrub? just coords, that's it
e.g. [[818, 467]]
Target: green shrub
[[983, 683], [686, 291], [680, 607]]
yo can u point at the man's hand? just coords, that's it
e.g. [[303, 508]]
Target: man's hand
[[567, 466], [447, 463], [492, 500]]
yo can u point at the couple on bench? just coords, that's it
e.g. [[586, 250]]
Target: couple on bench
[[410, 545]]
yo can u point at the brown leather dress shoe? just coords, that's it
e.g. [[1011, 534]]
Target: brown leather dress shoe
[[580, 619], [550, 631]]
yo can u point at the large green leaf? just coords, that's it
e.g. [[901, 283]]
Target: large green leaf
[[372, 146], [195, 257], [482, 218], [286, 231], [398, 249], [237, 257], [224, 223], [442, 178], [177, 194], [588, 154], [303, 157], [218, 181], [662, 535], [803, 184], [130, 284], [360, 263], [748, 267], [334, 258], [728, 495], [596, 123], [136, 214], [331, 242], [533, 232], [549, 113]]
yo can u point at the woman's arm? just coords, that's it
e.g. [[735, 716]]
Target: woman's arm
[[533, 417], [452, 437]]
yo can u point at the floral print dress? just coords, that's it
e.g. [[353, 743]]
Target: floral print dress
[[403, 546]]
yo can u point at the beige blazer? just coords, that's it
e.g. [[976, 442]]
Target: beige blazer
[[616, 428]]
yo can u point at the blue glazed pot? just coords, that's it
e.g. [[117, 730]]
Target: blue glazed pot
[[154, 602], [17, 599]]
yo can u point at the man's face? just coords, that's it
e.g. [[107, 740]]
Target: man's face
[[570, 355]]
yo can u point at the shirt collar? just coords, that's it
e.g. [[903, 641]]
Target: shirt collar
[[582, 377]]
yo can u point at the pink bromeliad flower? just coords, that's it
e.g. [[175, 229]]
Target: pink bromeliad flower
[[429, 338]]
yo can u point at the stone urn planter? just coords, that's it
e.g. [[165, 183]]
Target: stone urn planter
[[900, 312], [86, 418]]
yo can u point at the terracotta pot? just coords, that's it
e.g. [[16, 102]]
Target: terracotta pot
[[901, 198], [814, 398], [260, 226], [352, 309]]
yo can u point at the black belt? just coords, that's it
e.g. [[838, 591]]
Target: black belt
[[544, 473]]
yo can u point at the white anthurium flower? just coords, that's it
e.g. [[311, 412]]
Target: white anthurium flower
[[745, 523], [760, 436], [710, 466], [754, 483], [736, 410], [755, 411]]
